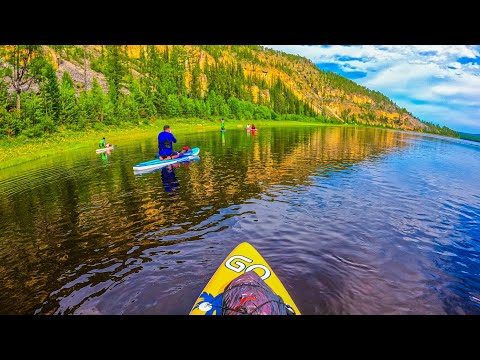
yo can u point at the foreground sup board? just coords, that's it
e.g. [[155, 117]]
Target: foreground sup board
[[243, 258]]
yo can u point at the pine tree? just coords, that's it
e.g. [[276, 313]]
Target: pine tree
[[97, 102], [115, 70], [51, 92], [83, 110], [173, 106], [68, 106], [234, 105], [166, 56], [177, 61], [144, 107], [196, 90], [3, 93], [200, 108]]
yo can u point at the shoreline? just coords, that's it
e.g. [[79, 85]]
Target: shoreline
[[17, 151]]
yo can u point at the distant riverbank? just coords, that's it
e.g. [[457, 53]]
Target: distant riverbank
[[471, 137], [18, 150]]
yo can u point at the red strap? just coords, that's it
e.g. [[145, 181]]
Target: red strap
[[241, 303]]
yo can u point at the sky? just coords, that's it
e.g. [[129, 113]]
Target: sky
[[436, 83]]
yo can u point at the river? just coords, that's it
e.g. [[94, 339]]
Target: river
[[352, 220]]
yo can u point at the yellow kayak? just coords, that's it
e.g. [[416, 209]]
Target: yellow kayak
[[242, 259]]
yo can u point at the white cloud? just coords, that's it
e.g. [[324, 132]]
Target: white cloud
[[412, 73], [445, 115]]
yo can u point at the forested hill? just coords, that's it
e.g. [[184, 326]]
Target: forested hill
[[47, 88]]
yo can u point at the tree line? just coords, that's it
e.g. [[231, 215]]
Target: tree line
[[35, 102], [40, 103]]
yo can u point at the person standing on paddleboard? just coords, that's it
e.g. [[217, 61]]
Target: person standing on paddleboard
[[223, 125]]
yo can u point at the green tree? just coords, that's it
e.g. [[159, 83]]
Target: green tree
[[67, 101], [200, 108], [3, 93], [24, 63], [235, 107], [188, 106], [196, 90], [51, 92], [172, 106], [96, 102], [144, 103], [83, 110], [262, 112], [115, 70], [177, 61]]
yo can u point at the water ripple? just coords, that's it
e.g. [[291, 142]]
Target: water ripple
[[353, 221]]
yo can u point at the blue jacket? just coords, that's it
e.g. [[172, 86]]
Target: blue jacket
[[165, 146]]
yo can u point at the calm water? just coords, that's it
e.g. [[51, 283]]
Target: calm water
[[353, 221]]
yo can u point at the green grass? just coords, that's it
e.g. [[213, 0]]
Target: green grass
[[19, 150], [470, 137]]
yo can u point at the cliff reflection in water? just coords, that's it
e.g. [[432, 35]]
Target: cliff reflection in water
[[73, 228]]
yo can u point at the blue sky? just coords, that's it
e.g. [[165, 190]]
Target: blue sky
[[436, 83]]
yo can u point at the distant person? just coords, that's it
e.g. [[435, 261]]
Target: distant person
[[248, 127], [253, 127], [165, 144], [103, 143], [222, 125]]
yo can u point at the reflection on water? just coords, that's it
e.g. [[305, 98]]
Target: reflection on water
[[169, 180], [352, 220]]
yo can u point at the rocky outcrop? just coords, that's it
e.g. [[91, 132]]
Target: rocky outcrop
[[78, 76]]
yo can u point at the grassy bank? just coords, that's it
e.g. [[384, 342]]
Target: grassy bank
[[470, 137], [18, 150]]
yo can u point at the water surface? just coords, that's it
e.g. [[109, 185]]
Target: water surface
[[352, 220]]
